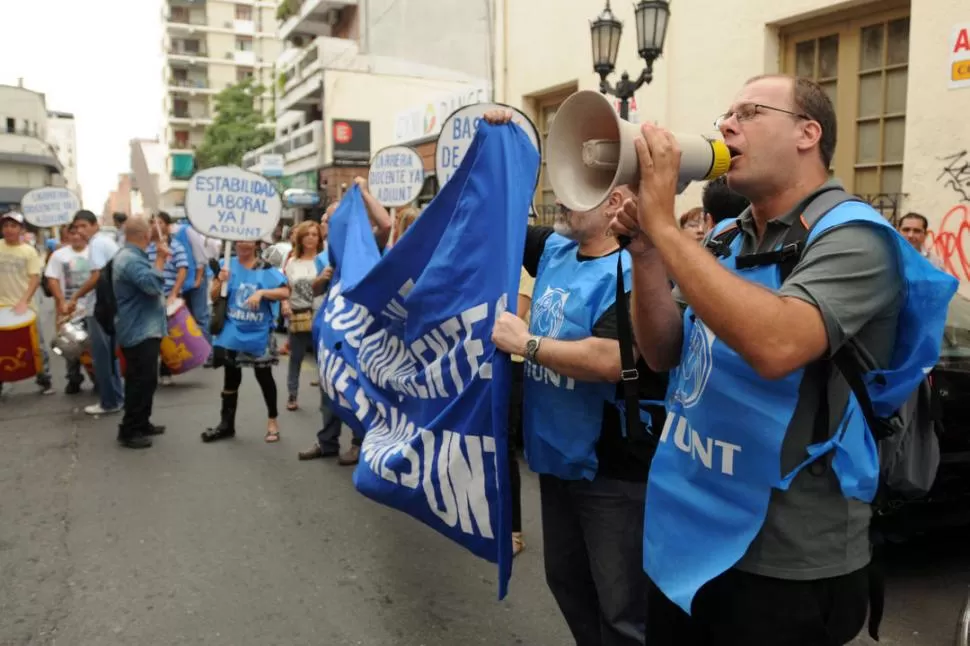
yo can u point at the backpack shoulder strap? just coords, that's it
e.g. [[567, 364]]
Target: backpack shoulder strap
[[720, 242], [793, 244]]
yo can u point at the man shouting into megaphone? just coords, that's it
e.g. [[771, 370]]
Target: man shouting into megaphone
[[757, 514]]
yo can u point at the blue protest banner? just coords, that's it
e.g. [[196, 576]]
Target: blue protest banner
[[405, 351]]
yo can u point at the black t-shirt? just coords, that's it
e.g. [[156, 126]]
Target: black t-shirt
[[618, 457]]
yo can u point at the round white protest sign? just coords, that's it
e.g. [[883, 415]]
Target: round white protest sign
[[458, 131], [49, 207], [396, 176], [229, 203]]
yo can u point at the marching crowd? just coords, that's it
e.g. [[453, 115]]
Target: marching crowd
[[743, 349]]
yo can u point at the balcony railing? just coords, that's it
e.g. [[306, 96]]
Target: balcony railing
[[178, 48], [181, 145], [197, 84], [188, 20], [302, 142], [186, 114]]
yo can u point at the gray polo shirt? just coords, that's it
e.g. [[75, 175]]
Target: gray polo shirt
[[812, 531]]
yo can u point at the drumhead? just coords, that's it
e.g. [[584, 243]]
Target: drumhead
[[174, 306], [9, 320]]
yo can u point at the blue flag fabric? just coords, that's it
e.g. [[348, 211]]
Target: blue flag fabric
[[405, 350]]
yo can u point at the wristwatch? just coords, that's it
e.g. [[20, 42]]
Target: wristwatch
[[532, 347]]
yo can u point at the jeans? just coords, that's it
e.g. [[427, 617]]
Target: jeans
[[141, 381], [197, 300], [592, 534], [328, 437], [301, 344], [107, 372], [44, 377]]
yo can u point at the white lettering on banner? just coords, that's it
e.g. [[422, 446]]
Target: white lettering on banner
[[49, 207], [699, 448], [448, 350], [232, 204], [400, 452]]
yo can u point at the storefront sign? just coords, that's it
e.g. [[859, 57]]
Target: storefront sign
[[271, 165], [459, 130], [396, 176], [49, 206], [425, 120], [229, 203], [306, 180], [960, 56], [298, 197], [351, 142]]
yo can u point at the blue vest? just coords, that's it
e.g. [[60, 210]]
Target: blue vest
[[247, 330], [720, 451], [182, 235], [562, 416]]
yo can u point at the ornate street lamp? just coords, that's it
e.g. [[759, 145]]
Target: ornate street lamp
[[651, 18]]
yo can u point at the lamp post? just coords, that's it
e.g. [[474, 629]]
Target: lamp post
[[651, 21]]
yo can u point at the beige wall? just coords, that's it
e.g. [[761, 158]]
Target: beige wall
[[23, 176], [367, 97], [23, 105], [712, 48]]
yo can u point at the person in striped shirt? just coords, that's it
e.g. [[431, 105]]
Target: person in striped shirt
[[174, 273]]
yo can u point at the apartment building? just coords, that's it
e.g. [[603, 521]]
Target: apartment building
[[208, 46], [348, 68], [27, 160], [62, 136]]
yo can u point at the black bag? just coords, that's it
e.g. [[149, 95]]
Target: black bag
[[105, 307]]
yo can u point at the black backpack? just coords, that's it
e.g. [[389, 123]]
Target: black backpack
[[105, 307]]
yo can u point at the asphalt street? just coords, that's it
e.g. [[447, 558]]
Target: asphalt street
[[238, 543]]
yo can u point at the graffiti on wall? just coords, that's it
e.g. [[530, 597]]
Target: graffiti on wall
[[950, 240]]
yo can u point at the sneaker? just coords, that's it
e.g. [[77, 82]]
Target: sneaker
[[72, 389], [95, 409], [47, 389], [166, 381]]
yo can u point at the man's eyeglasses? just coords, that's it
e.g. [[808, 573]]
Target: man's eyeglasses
[[748, 111]]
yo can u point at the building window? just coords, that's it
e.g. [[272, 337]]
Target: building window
[[244, 44], [862, 62], [243, 73], [11, 125], [244, 12], [545, 108]]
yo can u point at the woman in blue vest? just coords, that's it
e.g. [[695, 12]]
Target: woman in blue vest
[[254, 292]]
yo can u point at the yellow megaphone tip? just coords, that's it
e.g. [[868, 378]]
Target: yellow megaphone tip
[[722, 159]]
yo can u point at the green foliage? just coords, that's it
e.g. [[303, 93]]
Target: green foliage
[[287, 8], [235, 129]]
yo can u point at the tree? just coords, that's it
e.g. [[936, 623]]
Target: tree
[[236, 128]]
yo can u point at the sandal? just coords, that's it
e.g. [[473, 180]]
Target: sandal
[[272, 432], [518, 543], [291, 403]]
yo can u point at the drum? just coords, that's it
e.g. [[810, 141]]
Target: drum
[[20, 353], [185, 346]]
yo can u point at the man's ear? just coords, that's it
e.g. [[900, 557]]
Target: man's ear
[[810, 136]]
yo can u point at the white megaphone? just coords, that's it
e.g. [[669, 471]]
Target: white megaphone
[[589, 152]]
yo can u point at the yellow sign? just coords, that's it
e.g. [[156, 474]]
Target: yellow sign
[[960, 71]]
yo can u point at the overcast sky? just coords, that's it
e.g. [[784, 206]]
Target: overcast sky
[[101, 60]]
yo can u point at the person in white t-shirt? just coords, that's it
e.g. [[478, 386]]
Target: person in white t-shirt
[[300, 269], [68, 267], [107, 373]]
